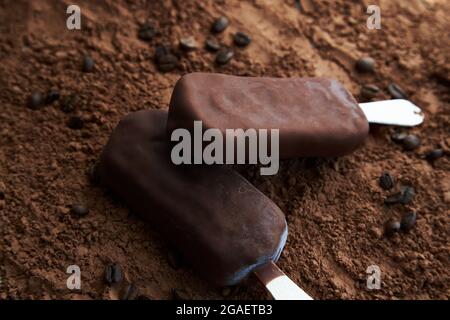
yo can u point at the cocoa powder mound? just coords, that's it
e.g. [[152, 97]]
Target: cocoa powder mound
[[334, 207]]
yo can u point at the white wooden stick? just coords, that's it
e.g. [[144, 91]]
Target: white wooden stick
[[279, 285], [397, 112]]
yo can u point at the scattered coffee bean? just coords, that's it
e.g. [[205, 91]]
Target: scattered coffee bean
[[410, 142], [179, 294], [366, 64], [242, 39], [408, 194], [88, 64], [212, 45], [398, 136], [224, 56], [79, 210], [404, 196], [434, 154], [386, 181], [369, 91], [68, 103], [113, 273], [396, 92], [408, 221], [146, 32], [52, 96], [75, 123], [35, 100], [165, 60], [130, 292], [220, 25], [391, 228], [188, 44]]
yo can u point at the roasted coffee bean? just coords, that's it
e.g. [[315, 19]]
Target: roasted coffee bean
[[396, 92], [411, 142], [220, 25], [404, 196], [242, 39], [161, 51], [224, 56], [68, 103], [75, 123], [35, 100], [52, 96], [167, 63], [79, 210], [113, 273], [212, 45], [398, 136], [369, 91], [386, 181], [366, 64], [188, 44], [408, 194], [391, 227], [146, 32], [88, 64], [408, 221], [434, 154], [130, 292]]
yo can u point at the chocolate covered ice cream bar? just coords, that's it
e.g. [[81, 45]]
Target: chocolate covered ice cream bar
[[221, 224], [314, 116]]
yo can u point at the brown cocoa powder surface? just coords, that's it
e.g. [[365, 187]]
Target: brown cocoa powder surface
[[334, 207]]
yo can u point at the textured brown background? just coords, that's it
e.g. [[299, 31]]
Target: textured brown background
[[334, 208]]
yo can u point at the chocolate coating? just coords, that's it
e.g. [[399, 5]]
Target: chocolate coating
[[221, 224], [316, 117]]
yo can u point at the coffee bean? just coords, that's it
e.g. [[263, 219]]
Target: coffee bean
[[391, 227], [411, 142], [113, 273], [224, 56], [75, 123], [398, 136], [167, 63], [408, 221], [396, 92], [130, 292], [369, 91], [404, 196], [68, 103], [188, 44], [212, 45], [79, 210], [408, 194], [161, 51], [88, 64], [366, 64], [35, 100], [146, 32], [434, 154], [386, 181], [242, 39], [52, 96], [220, 25]]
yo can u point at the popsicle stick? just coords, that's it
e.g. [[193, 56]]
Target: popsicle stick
[[397, 112], [279, 285]]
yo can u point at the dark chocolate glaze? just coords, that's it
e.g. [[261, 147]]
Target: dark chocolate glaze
[[316, 117], [221, 224]]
